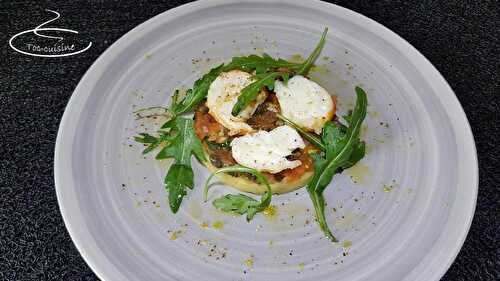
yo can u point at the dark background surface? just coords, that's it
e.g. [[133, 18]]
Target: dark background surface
[[461, 38]]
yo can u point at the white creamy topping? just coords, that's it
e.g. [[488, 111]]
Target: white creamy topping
[[304, 102], [267, 151]]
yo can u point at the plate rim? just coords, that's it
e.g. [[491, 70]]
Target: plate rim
[[60, 179]]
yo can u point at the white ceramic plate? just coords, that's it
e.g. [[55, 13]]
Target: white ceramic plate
[[406, 216]]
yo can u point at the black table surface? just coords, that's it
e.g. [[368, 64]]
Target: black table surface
[[461, 38]]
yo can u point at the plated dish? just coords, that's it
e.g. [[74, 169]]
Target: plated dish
[[400, 213], [266, 127]]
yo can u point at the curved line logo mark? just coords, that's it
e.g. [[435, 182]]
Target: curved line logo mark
[[57, 50]]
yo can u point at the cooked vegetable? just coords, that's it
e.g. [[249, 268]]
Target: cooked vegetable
[[205, 126], [307, 164], [343, 148], [266, 120], [240, 203]]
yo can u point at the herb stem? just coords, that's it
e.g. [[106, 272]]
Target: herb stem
[[139, 115], [308, 136], [241, 203], [319, 209], [236, 168]]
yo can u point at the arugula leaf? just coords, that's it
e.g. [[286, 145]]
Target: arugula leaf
[[340, 147], [306, 66], [178, 141], [179, 177], [196, 94], [240, 203], [237, 204], [183, 142], [152, 142], [343, 149], [200, 89], [259, 64], [265, 68], [357, 154], [347, 118], [146, 138], [250, 92], [267, 63]]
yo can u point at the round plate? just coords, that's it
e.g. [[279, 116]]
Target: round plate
[[401, 214]]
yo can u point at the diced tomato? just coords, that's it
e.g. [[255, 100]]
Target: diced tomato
[[307, 165], [206, 126]]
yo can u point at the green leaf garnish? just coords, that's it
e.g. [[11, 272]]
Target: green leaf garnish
[[183, 142], [195, 95], [237, 204], [343, 149], [152, 142], [179, 178], [146, 138], [260, 64], [347, 118], [177, 140], [267, 71], [250, 92], [240, 203], [306, 66]]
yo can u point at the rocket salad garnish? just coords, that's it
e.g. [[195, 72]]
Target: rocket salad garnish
[[240, 203]]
